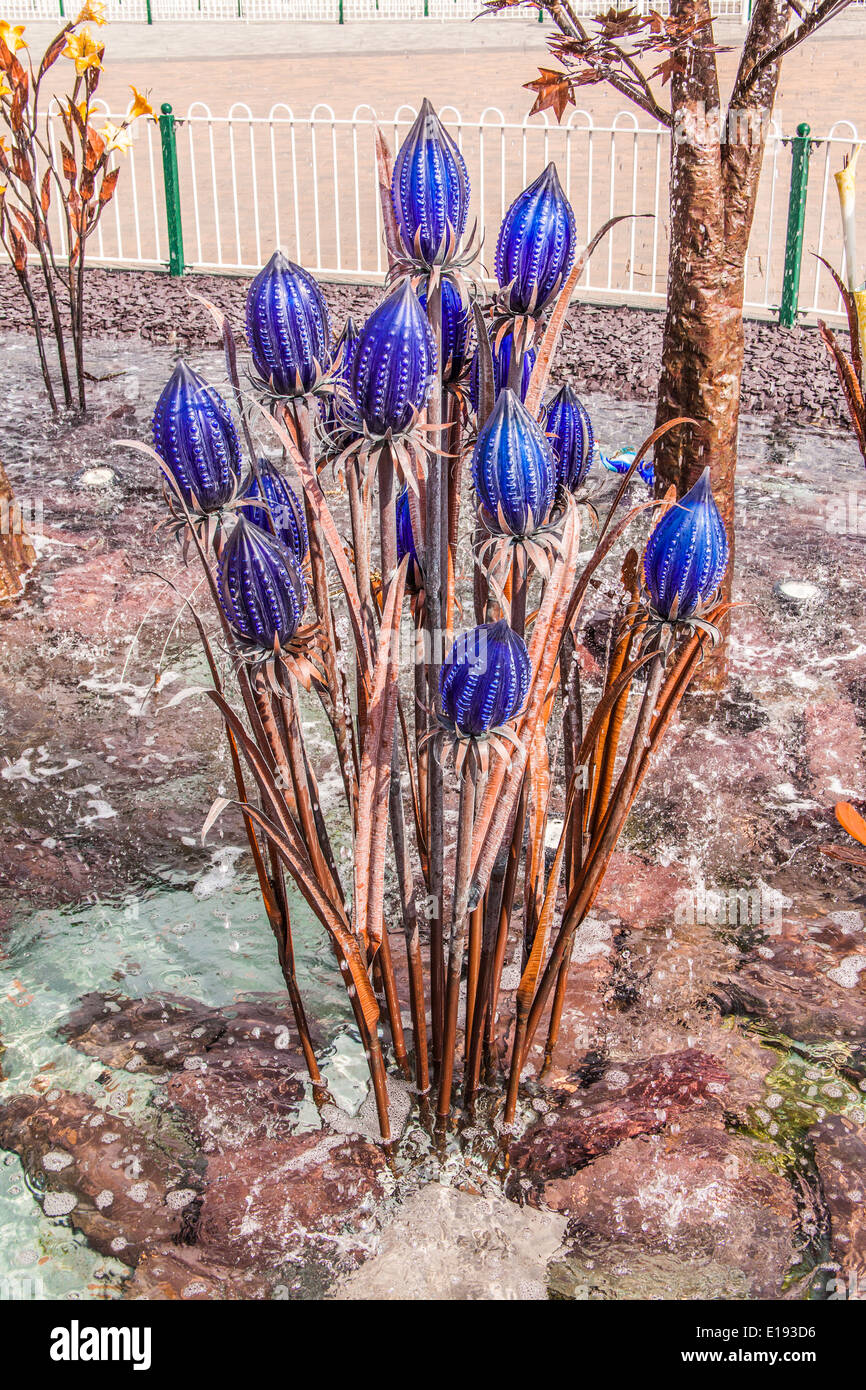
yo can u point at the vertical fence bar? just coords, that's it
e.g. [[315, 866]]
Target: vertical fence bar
[[172, 189], [801, 148]]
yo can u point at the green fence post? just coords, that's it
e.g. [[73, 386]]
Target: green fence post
[[172, 190], [341, 12], [801, 149], [62, 15], [149, 13]]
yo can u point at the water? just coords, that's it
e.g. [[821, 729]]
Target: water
[[187, 920]]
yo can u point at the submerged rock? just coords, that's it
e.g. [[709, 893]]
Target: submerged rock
[[808, 979], [446, 1244], [312, 1195], [599, 1272], [628, 1099], [172, 1272], [840, 1156], [702, 1196], [235, 1071], [112, 1181]]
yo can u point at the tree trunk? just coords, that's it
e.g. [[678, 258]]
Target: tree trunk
[[715, 171], [17, 555]]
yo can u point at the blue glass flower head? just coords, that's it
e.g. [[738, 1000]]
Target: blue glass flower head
[[261, 588], [288, 327], [393, 364], [536, 245], [569, 430], [485, 680], [429, 189], [513, 469], [687, 554], [501, 355], [406, 540], [457, 330], [195, 436], [286, 511]]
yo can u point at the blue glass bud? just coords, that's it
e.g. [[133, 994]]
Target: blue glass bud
[[286, 511], [429, 188], [394, 363], [569, 430], [485, 680], [457, 330], [194, 435], [261, 587], [288, 327], [513, 468], [405, 538], [501, 368], [536, 245], [687, 554]]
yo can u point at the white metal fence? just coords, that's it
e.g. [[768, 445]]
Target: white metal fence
[[349, 11], [308, 184]]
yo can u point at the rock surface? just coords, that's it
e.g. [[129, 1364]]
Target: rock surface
[[237, 1073], [840, 1155], [629, 1099], [698, 1194], [125, 1193]]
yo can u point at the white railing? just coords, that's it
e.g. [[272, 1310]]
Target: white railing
[[330, 11], [309, 184]]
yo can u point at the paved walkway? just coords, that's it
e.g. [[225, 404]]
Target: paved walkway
[[467, 65]]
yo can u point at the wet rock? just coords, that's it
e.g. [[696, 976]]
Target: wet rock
[[237, 1075], [697, 1194], [309, 1193], [840, 1156], [179, 1272], [834, 749], [807, 978], [168, 1032], [601, 1272], [446, 1244], [630, 1098], [106, 1175]]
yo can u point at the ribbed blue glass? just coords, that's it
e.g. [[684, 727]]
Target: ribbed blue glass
[[288, 327], [394, 363], [286, 510], [405, 538], [457, 330], [261, 587], [513, 468], [569, 429], [687, 554], [485, 681], [536, 245], [195, 436], [501, 368], [429, 187]]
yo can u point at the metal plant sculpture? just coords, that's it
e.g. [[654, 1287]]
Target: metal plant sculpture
[[310, 609], [850, 370], [35, 184]]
